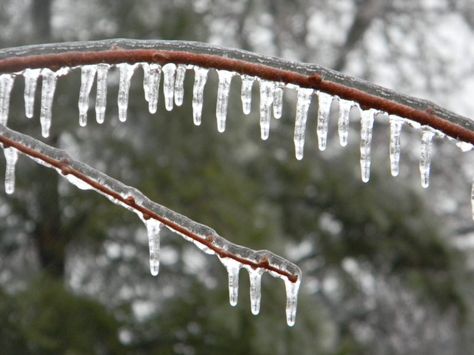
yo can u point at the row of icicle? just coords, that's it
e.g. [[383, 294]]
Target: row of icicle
[[271, 102]]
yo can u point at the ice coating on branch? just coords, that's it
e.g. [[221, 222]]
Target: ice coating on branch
[[179, 84], [101, 95], [324, 107], [266, 100], [48, 87], [233, 268], [153, 228], [343, 120], [302, 106], [151, 84], [87, 79], [6, 85], [223, 88], [200, 79], [292, 289], [255, 276], [169, 70], [425, 156], [277, 101], [126, 73], [246, 93], [11, 157], [367, 123], [31, 80], [395, 133]]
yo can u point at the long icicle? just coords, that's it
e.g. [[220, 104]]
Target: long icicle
[[278, 101], [169, 71], [126, 73], [101, 95], [151, 84], [11, 157], [343, 121], [87, 79], [246, 93], [324, 108], [233, 267], [255, 276], [367, 123], [302, 106], [179, 84], [200, 79], [48, 87], [31, 81], [395, 133], [6, 85], [291, 300], [223, 88], [153, 231], [266, 100], [425, 156]]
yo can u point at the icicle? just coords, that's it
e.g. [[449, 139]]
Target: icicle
[[126, 73], [324, 107], [291, 300], [31, 79], [153, 230], [277, 101], [266, 100], [343, 120], [101, 98], [87, 79], [472, 199], [255, 276], [179, 84], [425, 157], [151, 84], [246, 93], [6, 85], [233, 268], [302, 106], [395, 133], [225, 78], [168, 84], [367, 122], [200, 78], [49, 79], [11, 157]]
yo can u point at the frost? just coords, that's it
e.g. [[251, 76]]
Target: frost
[[101, 96], [179, 84], [6, 85], [87, 79], [151, 84], [395, 133], [425, 156], [200, 79], [168, 84], [302, 106], [266, 100], [343, 120], [153, 231], [367, 122], [223, 88], [11, 157], [48, 87], [324, 108], [31, 80], [246, 93], [126, 73], [277, 101]]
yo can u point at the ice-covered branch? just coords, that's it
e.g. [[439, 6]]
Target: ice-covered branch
[[366, 94], [154, 215]]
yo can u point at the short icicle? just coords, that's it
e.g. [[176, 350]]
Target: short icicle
[[395, 133], [302, 106], [48, 87], [425, 156], [11, 157], [126, 73], [324, 108], [277, 101], [153, 230], [255, 276], [31, 80], [179, 84], [233, 268], [246, 93], [266, 100], [367, 123], [87, 79], [169, 71], [343, 121], [101, 95], [223, 88], [6, 85], [200, 79], [151, 84], [291, 300]]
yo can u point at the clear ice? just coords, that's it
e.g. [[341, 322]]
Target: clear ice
[[223, 88], [126, 73], [324, 107], [31, 80], [291, 300], [151, 84], [87, 79], [425, 156], [395, 133], [277, 101], [255, 276], [11, 157], [6, 85], [48, 87], [200, 79], [246, 93], [302, 106], [179, 84], [266, 100], [153, 231], [343, 120], [169, 70], [233, 268], [101, 96], [367, 123]]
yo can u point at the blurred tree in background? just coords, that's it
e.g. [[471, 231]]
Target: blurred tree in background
[[382, 274]]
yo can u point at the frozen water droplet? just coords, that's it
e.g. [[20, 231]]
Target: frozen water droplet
[[87, 79], [126, 73], [233, 268], [151, 84], [395, 133], [266, 100], [223, 88], [302, 106], [179, 84], [101, 98], [425, 156], [11, 157], [200, 79], [31, 80], [324, 107], [343, 120], [169, 71], [277, 101], [48, 87], [367, 123], [246, 93], [6, 85], [255, 276], [291, 300], [153, 230]]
